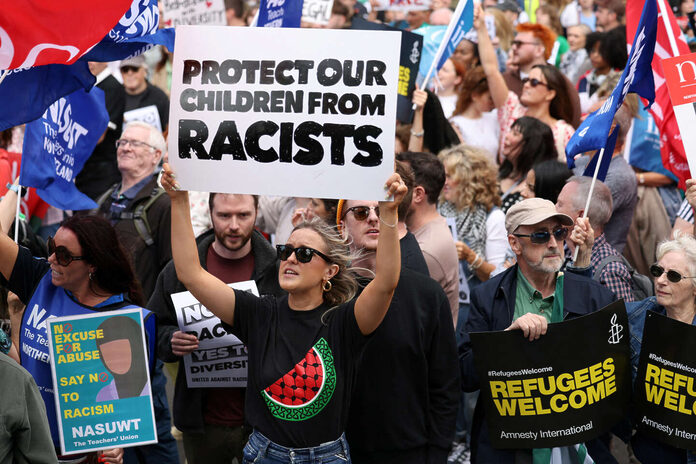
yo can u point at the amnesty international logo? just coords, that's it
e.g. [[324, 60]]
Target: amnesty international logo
[[615, 330]]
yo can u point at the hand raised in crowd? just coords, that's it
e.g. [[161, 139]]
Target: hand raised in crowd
[[533, 326], [169, 183], [582, 237], [183, 343], [691, 192], [298, 216], [419, 98], [112, 456], [479, 17], [396, 188]]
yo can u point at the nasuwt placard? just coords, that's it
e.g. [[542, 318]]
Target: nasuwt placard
[[101, 381], [293, 112], [666, 381], [569, 386], [221, 358]]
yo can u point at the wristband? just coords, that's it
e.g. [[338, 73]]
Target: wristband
[[417, 134], [13, 187]]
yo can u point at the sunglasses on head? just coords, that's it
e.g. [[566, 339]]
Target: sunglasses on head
[[534, 82], [673, 276], [63, 256], [361, 213], [303, 254], [543, 236]]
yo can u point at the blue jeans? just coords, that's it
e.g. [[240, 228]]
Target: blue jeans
[[261, 450]]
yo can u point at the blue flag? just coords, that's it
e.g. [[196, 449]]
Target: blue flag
[[432, 38], [57, 145], [26, 93], [463, 19], [279, 13], [637, 77], [136, 32], [606, 158]]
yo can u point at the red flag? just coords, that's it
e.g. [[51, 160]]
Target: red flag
[[34, 33], [671, 147]]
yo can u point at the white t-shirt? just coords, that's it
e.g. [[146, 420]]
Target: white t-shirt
[[483, 132], [496, 237], [449, 103]]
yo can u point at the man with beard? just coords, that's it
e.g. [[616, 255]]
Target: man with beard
[[211, 419], [527, 297]]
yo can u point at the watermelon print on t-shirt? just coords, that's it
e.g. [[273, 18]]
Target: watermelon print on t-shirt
[[306, 389]]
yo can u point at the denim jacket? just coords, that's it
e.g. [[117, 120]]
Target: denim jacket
[[647, 449]]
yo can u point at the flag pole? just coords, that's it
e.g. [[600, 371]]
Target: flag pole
[[668, 29], [440, 50], [19, 201], [589, 196], [4, 75]]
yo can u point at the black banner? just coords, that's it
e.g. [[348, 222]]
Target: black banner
[[411, 47], [665, 384], [569, 386]]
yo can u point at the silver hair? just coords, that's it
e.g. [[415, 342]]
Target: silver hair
[[683, 244], [601, 205], [155, 140]]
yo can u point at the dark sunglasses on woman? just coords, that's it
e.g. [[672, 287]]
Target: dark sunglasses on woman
[[360, 213], [543, 236], [303, 254], [534, 82], [673, 276], [63, 256]]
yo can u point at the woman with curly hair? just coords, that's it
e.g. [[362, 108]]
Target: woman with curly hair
[[470, 196]]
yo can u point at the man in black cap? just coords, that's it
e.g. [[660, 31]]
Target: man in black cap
[[144, 101]]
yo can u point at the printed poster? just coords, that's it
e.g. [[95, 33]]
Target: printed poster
[[569, 386], [680, 74], [193, 12], [666, 382], [101, 380], [221, 358]]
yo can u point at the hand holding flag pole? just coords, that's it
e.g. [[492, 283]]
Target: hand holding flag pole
[[589, 196]]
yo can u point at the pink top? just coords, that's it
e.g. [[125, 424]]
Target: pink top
[[513, 109]]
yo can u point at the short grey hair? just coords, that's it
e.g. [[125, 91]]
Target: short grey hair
[[155, 140], [683, 244], [601, 205]]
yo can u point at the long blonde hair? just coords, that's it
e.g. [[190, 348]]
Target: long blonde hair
[[475, 174]]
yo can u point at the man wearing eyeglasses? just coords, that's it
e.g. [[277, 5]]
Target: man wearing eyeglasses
[[527, 297], [407, 390]]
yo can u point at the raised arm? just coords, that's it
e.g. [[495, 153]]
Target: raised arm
[[489, 61], [208, 289], [8, 248], [372, 304]]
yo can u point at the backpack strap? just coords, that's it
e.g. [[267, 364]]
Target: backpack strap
[[139, 216], [610, 259]]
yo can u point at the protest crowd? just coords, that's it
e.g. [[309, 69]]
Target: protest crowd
[[250, 327]]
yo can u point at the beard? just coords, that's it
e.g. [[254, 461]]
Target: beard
[[233, 245], [548, 265]]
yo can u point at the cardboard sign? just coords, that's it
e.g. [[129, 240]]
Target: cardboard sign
[[403, 5], [569, 386], [101, 381], [680, 74], [666, 381], [221, 358], [411, 46], [193, 12], [317, 11], [311, 118]]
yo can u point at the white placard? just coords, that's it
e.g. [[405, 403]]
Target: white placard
[[221, 358], [193, 12], [286, 113], [403, 5], [146, 114], [317, 11], [464, 291]]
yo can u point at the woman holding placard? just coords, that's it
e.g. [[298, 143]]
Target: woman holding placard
[[675, 297], [87, 271], [303, 347]]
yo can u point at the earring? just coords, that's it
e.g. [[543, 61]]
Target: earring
[[327, 286], [91, 275]]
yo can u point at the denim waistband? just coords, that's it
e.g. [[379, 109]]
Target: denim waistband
[[298, 455]]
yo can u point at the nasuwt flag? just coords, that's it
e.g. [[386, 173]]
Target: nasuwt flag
[[26, 93], [606, 158], [637, 77], [57, 145], [60, 31], [136, 32], [671, 147], [279, 13]]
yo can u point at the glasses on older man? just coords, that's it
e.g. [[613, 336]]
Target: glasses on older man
[[121, 143], [543, 236], [673, 276]]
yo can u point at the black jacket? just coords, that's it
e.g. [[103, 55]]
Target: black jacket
[[188, 402], [492, 309]]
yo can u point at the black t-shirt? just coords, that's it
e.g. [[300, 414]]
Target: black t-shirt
[[301, 370]]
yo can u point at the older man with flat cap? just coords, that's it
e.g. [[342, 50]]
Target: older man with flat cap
[[528, 296]]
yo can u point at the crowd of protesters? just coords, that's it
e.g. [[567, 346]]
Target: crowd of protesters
[[487, 229]]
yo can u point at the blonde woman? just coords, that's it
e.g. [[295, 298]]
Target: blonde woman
[[471, 197]]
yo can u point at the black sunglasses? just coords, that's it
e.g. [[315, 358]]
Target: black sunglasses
[[361, 213], [126, 69], [673, 276], [543, 236], [534, 82], [63, 256], [303, 254]]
